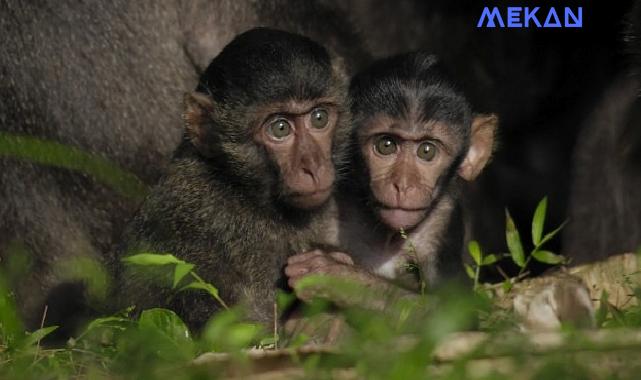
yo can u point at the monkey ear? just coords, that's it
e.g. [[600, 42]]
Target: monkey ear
[[481, 146], [198, 108]]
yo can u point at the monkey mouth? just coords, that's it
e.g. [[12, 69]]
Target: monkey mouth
[[311, 199], [397, 218]]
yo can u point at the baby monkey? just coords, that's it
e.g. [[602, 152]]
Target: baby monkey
[[415, 143]]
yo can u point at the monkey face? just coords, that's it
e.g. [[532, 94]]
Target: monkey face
[[297, 136], [405, 161]]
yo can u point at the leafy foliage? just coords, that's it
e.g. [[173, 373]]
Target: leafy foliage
[[516, 250]]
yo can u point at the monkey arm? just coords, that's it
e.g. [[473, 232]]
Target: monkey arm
[[346, 285]]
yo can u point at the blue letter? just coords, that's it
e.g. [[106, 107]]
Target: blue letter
[[577, 20], [551, 14], [490, 16], [531, 16], [513, 17]]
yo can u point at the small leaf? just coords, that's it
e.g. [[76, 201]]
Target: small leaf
[[490, 259], [202, 286], [475, 251], [550, 235], [507, 285], [470, 271], [180, 272], [198, 285], [513, 240], [548, 257], [538, 220], [152, 259]]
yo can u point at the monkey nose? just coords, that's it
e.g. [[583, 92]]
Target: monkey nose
[[310, 175]]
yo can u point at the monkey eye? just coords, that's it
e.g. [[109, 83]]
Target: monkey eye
[[426, 151], [385, 145], [320, 118], [279, 129]]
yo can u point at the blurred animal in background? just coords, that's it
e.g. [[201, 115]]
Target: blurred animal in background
[[605, 202]]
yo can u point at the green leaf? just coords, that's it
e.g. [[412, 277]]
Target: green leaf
[[150, 259], [513, 240], [470, 271], [165, 334], [490, 259], [475, 251], [548, 257], [165, 321], [36, 336], [507, 285], [202, 286], [550, 235], [68, 157], [110, 322], [538, 220], [226, 332], [180, 272]]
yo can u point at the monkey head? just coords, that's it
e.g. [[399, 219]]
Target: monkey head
[[270, 112], [414, 135]]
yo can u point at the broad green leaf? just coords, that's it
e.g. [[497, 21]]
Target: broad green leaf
[[548, 257], [225, 332], [475, 251], [538, 220], [550, 235], [181, 271], [470, 271], [513, 240], [36, 336], [166, 334], [150, 259], [165, 321], [490, 259]]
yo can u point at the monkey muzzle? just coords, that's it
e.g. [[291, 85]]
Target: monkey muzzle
[[397, 218]]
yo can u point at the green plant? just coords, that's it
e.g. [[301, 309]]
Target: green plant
[[181, 270], [516, 249], [413, 267]]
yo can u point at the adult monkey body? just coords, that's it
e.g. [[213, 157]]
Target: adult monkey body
[[605, 205], [250, 183], [415, 142]]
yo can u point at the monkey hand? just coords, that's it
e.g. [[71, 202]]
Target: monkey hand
[[337, 265]]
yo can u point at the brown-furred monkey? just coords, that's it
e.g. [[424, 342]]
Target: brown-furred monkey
[[416, 141], [251, 181]]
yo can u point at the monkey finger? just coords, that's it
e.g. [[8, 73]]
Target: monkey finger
[[342, 258], [296, 270], [304, 256]]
